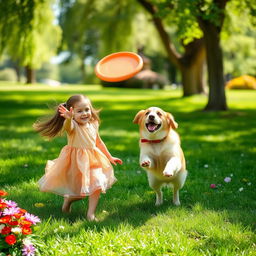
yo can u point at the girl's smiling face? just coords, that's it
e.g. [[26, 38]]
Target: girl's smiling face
[[82, 112]]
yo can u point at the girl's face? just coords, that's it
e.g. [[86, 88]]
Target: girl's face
[[82, 112]]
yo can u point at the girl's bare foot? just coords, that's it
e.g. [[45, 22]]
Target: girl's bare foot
[[92, 218], [66, 207]]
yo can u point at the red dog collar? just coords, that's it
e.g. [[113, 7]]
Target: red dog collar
[[151, 141]]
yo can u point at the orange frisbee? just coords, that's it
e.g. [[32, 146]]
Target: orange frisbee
[[118, 66]]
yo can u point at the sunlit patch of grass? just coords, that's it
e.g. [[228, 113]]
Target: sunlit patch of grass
[[217, 221]]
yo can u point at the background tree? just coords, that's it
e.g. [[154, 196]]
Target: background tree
[[28, 33], [191, 62]]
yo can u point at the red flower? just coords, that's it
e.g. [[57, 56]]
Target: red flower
[[13, 223], [3, 193], [3, 205], [26, 231], [5, 219], [11, 239], [17, 215], [6, 230]]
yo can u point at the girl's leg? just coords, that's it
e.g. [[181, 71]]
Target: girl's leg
[[93, 202], [66, 207]]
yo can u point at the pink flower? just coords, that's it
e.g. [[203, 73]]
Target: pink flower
[[28, 250], [11, 211], [10, 203], [32, 218], [213, 186]]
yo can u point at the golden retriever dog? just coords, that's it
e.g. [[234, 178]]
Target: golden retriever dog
[[160, 152]]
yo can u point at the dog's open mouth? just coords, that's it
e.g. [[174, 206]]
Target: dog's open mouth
[[152, 127]]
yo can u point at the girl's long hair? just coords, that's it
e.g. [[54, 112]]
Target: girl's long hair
[[53, 127]]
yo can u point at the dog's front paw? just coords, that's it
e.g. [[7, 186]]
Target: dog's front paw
[[146, 163], [168, 173]]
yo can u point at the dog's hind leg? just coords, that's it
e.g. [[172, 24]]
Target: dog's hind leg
[[176, 198], [177, 186], [156, 186]]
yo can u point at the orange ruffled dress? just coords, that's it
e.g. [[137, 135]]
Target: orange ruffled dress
[[81, 167]]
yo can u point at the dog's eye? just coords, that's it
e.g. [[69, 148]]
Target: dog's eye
[[147, 113], [159, 114]]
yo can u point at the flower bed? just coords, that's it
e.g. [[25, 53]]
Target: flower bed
[[16, 229]]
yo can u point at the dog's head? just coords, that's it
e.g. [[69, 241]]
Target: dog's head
[[154, 122]]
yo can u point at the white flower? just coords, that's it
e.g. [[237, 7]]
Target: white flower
[[240, 189], [1, 227], [16, 230], [227, 179], [231, 174], [249, 183], [26, 242], [61, 227], [206, 166]]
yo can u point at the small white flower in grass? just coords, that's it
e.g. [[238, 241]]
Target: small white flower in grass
[[231, 174], [227, 179], [249, 183], [240, 189], [61, 227], [55, 230], [25, 165], [206, 166], [242, 154], [138, 172]]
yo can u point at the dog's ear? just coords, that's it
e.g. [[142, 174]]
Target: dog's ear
[[171, 121], [138, 116]]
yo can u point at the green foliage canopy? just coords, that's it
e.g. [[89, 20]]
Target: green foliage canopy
[[27, 29]]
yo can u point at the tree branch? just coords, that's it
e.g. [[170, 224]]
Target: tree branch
[[169, 46]]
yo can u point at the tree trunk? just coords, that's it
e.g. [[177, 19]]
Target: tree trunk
[[191, 64], [217, 98], [30, 75], [192, 68], [83, 71], [17, 71]]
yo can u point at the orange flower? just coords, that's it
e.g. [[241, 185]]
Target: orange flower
[[11, 239], [26, 231], [3, 193], [25, 223], [6, 230], [5, 219], [22, 211]]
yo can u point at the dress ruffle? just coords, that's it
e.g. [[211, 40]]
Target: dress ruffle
[[77, 172]]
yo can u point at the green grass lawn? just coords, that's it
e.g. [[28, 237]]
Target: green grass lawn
[[209, 221]]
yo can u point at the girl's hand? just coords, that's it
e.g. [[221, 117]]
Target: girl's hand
[[67, 114], [115, 160]]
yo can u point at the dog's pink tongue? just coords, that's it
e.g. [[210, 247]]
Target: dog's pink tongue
[[151, 127]]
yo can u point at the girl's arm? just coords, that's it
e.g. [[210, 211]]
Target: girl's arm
[[67, 114], [101, 145]]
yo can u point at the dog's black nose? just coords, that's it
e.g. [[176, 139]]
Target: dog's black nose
[[151, 117]]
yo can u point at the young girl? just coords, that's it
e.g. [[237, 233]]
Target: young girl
[[83, 167]]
